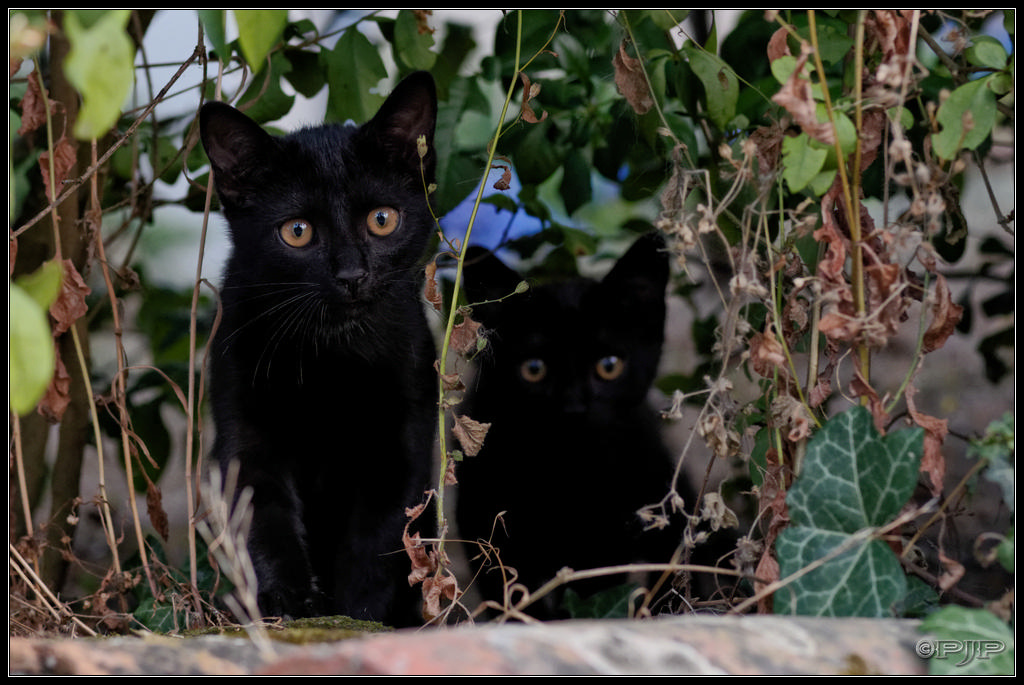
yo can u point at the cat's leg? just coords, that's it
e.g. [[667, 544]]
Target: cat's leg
[[286, 585]]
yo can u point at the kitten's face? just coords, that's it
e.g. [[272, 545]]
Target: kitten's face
[[328, 224], [572, 350]]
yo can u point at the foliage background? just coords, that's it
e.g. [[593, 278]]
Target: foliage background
[[606, 123]]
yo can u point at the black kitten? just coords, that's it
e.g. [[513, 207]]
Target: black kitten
[[574, 450], [322, 377]]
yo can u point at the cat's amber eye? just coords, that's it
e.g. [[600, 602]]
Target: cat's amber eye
[[611, 367], [533, 370], [296, 232], [382, 221]]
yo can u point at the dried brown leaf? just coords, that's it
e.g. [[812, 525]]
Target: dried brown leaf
[[861, 388], [64, 159], [505, 182], [470, 434], [946, 315], [155, 509], [530, 91], [778, 44], [70, 303], [58, 394], [796, 97], [464, 335], [430, 290], [33, 106], [933, 464], [631, 82], [767, 356]]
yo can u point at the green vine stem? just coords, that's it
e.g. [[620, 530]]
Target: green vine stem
[[454, 308]]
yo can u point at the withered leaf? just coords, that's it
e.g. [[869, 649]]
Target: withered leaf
[[33, 106], [430, 290], [64, 158], [505, 182], [464, 335], [70, 303], [767, 356], [470, 434], [796, 97], [530, 91], [58, 393], [155, 508], [946, 315], [631, 82], [933, 464]]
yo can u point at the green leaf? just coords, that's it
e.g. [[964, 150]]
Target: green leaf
[[721, 87], [354, 67], [1005, 551], [607, 604], [967, 117], [966, 641], [862, 579], [986, 51], [802, 161], [30, 354], [575, 189], [100, 65], [213, 27], [43, 284], [413, 48], [258, 32], [265, 99], [854, 478]]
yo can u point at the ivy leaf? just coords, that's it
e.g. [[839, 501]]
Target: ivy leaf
[[258, 32], [100, 65], [862, 579], [967, 641], [853, 480]]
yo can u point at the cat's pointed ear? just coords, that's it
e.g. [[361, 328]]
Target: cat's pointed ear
[[641, 274], [404, 124], [487, 281], [236, 146]]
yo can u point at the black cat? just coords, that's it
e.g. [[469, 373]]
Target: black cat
[[322, 378], [573, 450]]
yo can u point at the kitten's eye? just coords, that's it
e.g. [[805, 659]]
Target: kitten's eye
[[297, 232], [611, 367], [382, 220], [533, 370]]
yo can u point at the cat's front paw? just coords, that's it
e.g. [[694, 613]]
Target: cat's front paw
[[289, 603]]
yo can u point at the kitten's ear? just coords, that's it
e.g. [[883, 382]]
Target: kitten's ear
[[236, 146], [486, 280], [409, 112], [641, 274]]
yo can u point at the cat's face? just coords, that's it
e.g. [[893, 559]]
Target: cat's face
[[574, 349], [328, 224]]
